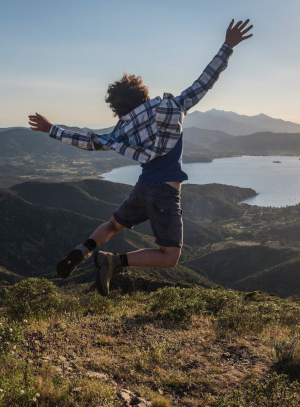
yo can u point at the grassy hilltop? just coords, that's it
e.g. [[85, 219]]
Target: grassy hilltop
[[175, 347]]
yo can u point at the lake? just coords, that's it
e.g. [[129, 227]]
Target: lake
[[277, 184]]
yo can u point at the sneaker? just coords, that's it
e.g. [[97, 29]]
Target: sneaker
[[107, 265], [68, 265]]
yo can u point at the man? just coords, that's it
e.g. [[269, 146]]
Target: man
[[150, 132]]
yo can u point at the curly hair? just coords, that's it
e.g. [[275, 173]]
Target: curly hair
[[126, 94]]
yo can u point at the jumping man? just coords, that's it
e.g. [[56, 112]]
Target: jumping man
[[148, 131]]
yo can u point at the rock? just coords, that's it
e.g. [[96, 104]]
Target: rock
[[126, 396], [97, 375], [131, 399]]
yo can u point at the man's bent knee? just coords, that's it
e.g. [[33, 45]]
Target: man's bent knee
[[117, 226], [172, 256]]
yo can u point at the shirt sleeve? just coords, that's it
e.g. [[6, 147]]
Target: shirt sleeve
[[192, 95], [85, 142]]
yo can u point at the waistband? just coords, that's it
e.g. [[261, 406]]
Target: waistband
[[159, 185]]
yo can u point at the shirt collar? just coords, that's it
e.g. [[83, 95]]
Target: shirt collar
[[145, 106]]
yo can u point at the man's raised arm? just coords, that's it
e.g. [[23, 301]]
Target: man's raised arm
[[41, 123], [234, 35]]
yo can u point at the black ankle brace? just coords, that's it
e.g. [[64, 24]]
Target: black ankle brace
[[124, 260], [90, 244]]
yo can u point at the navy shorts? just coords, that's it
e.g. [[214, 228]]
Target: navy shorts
[[158, 203]]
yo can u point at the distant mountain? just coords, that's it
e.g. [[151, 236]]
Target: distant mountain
[[201, 137], [252, 268], [85, 130], [238, 125], [261, 143], [19, 142]]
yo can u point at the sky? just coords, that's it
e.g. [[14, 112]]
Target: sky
[[57, 57]]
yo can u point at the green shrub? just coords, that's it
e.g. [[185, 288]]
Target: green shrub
[[96, 304], [16, 384], [11, 336], [69, 305], [246, 317], [288, 356], [274, 391], [220, 299], [176, 303], [33, 298]]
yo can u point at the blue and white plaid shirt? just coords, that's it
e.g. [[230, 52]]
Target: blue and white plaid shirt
[[152, 129]]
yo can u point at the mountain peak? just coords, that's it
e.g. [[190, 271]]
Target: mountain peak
[[238, 124]]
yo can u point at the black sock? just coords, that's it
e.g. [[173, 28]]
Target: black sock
[[124, 260], [90, 244]]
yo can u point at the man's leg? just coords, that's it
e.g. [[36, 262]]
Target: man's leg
[[84, 251], [160, 204], [108, 264], [164, 257], [105, 231]]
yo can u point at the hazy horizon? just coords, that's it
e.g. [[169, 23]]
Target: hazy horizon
[[194, 111], [58, 58]]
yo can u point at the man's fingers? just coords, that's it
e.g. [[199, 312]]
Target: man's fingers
[[247, 36], [237, 25], [33, 119], [247, 29], [33, 123], [230, 25], [244, 24], [34, 129], [38, 114]]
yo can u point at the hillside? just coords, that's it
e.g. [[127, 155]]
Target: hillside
[[261, 144], [26, 155], [98, 198], [218, 247], [251, 268], [38, 236], [201, 137]]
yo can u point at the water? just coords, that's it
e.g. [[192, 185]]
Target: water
[[277, 184]]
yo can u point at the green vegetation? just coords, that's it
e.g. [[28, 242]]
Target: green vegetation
[[32, 299], [275, 390], [71, 347]]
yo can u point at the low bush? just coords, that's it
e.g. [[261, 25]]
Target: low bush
[[274, 391], [288, 356], [33, 298], [177, 304]]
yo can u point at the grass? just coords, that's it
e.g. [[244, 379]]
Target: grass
[[187, 347]]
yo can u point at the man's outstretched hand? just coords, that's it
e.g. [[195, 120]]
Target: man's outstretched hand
[[39, 123], [236, 34]]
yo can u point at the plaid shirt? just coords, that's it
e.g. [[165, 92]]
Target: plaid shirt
[[152, 129]]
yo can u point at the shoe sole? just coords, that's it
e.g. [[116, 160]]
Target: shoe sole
[[67, 266], [100, 283]]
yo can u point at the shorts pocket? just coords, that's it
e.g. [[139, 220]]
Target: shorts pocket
[[163, 207], [166, 208]]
